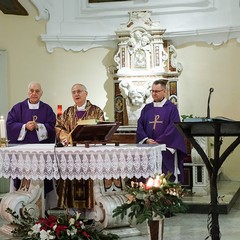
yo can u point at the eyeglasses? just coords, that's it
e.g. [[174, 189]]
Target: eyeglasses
[[156, 91]]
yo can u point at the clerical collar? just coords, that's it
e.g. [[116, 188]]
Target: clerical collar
[[81, 108], [33, 105], [159, 104]]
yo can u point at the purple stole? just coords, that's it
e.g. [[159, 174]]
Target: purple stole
[[80, 114]]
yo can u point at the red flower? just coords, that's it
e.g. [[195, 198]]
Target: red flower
[[85, 234], [59, 229], [48, 223]]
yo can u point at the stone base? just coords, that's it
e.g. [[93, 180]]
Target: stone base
[[124, 232], [228, 192], [7, 229]]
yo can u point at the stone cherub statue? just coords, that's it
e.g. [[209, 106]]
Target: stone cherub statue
[[136, 97]]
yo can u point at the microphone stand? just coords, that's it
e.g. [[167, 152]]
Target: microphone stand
[[208, 106]]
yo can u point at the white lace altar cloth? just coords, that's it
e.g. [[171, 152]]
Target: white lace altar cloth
[[40, 161]]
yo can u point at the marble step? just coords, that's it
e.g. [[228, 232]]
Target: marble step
[[228, 192]]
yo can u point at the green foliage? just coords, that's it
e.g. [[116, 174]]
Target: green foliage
[[22, 224], [144, 204]]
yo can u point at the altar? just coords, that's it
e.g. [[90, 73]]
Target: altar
[[98, 162]]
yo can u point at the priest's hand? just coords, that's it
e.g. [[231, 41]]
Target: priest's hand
[[66, 141], [150, 141], [31, 125]]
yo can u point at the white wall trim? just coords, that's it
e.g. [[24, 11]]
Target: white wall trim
[[78, 25]]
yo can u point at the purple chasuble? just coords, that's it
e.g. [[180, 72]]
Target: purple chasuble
[[21, 114], [158, 123]]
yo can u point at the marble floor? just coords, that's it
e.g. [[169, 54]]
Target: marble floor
[[192, 226]]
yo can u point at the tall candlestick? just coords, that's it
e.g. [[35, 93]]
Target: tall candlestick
[[2, 127]]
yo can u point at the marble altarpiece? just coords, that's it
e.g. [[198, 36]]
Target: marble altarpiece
[[143, 56]]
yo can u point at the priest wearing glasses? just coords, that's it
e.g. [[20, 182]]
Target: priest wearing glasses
[[76, 194], [82, 109], [156, 126]]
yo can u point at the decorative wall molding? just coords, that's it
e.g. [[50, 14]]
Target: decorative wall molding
[[79, 25]]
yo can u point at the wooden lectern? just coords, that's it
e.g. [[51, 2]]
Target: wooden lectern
[[216, 129], [100, 133]]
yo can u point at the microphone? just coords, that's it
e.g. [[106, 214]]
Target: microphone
[[208, 106], [58, 143]]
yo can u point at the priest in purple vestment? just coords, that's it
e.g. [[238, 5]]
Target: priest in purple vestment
[[31, 121], [156, 126]]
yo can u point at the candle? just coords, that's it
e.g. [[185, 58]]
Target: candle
[[2, 127], [59, 110], [149, 183]]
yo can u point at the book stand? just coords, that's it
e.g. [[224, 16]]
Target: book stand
[[100, 133]]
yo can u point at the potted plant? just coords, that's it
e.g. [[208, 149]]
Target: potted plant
[[157, 198]]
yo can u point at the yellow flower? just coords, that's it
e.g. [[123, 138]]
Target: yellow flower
[[78, 215], [71, 221]]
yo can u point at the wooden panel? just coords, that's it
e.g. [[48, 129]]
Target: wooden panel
[[188, 183], [12, 7], [126, 138]]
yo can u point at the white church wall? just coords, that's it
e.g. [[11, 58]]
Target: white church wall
[[204, 66], [3, 83], [29, 61]]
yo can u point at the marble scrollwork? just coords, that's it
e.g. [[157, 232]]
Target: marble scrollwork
[[139, 48], [28, 198], [173, 61]]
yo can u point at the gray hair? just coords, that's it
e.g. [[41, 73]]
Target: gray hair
[[35, 83], [81, 85]]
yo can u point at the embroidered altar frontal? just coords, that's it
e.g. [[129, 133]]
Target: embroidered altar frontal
[[40, 161]]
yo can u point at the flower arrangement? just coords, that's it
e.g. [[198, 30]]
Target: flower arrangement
[[61, 227], [158, 197]]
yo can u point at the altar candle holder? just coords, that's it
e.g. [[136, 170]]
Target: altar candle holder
[[3, 138], [3, 142]]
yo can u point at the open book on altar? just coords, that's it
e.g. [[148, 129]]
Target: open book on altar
[[91, 130], [87, 121]]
